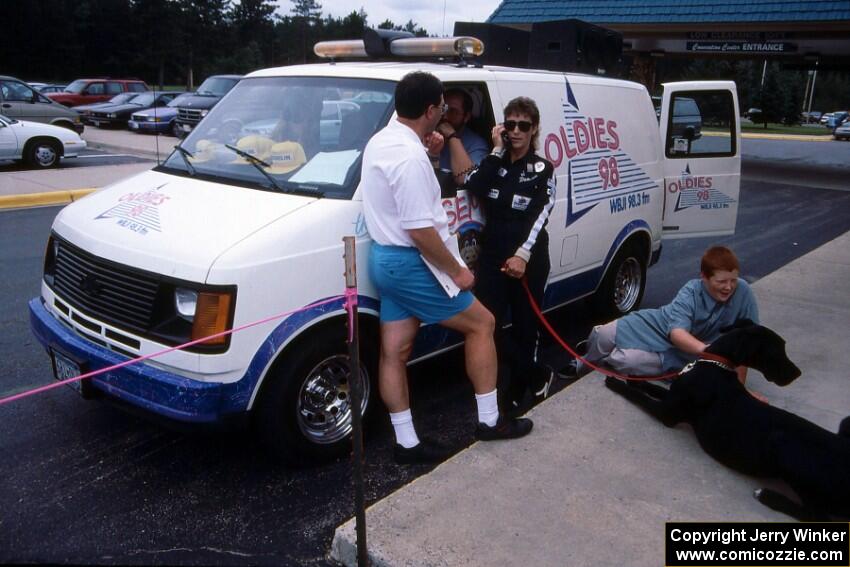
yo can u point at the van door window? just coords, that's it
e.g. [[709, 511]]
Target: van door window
[[113, 88], [701, 124]]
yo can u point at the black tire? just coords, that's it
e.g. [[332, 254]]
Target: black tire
[[624, 285], [43, 153], [304, 411]]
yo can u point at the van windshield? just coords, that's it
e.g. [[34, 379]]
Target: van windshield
[[216, 86], [76, 87], [290, 134]]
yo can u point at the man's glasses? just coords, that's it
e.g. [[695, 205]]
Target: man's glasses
[[524, 125]]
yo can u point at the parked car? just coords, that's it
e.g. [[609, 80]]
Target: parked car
[[825, 118], [21, 102], [686, 120], [842, 132], [837, 119], [193, 109], [159, 120], [812, 117], [85, 110], [37, 86], [87, 91], [40, 145], [119, 114], [52, 89]]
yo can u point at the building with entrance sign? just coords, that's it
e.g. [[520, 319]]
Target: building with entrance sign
[[807, 34]]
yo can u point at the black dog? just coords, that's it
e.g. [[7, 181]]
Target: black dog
[[748, 435]]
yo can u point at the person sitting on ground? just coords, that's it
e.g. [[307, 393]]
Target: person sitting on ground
[[652, 342], [463, 149]]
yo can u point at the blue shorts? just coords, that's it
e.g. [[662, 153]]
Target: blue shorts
[[409, 289]]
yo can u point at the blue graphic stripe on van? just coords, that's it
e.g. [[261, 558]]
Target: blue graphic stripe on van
[[286, 329], [566, 290]]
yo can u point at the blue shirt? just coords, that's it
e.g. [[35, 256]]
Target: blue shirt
[[475, 147], [693, 310]]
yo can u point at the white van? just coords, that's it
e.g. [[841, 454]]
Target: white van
[[238, 225]]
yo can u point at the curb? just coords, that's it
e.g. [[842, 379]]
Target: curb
[[794, 137], [43, 199]]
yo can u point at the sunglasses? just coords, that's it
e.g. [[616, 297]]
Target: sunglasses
[[524, 125], [443, 108]]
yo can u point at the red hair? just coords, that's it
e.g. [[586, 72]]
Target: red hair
[[718, 258]]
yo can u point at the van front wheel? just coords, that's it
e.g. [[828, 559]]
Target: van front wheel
[[305, 412], [625, 282]]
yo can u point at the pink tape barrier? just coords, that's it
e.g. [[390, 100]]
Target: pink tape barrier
[[349, 292]]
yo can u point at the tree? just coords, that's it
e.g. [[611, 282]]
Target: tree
[[203, 31], [307, 13]]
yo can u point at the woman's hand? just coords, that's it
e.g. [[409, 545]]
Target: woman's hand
[[515, 267], [496, 134]]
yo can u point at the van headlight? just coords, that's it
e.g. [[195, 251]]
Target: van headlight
[[192, 312], [186, 303]]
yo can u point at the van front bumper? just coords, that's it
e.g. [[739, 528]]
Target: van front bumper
[[140, 385]]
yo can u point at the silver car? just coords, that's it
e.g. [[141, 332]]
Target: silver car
[[22, 102], [842, 132]]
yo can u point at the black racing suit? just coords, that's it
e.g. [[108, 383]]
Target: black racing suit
[[516, 199]]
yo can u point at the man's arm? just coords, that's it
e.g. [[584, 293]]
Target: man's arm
[[428, 241]]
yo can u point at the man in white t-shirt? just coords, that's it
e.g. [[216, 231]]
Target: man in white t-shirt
[[406, 221]]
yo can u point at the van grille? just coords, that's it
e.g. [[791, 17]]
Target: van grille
[[189, 115], [104, 290]]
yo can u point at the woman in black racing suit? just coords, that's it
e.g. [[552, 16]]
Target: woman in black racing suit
[[516, 190]]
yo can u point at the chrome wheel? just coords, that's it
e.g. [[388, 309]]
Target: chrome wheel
[[324, 401], [45, 155], [628, 284]]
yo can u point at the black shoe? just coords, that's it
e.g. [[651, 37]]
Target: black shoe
[[571, 369], [581, 347], [425, 453], [505, 428]]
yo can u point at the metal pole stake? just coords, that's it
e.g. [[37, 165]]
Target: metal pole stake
[[356, 400]]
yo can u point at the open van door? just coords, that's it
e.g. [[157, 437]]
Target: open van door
[[701, 134]]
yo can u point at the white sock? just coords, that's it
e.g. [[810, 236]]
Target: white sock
[[405, 434], [488, 408]]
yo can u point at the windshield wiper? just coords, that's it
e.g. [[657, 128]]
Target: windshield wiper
[[257, 163], [186, 154]]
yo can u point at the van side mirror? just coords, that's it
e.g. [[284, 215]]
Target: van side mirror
[[690, 133]]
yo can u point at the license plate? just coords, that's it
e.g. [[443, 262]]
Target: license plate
[[187, 128], [64, 368]]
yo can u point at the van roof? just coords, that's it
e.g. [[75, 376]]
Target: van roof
[[395, 70]]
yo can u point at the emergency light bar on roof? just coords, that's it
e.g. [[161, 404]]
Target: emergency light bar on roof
[[385, 44]]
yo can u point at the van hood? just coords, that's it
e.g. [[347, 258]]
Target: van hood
[[170, 225], [200, 101]]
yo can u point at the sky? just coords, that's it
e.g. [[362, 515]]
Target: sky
[[427, 14]]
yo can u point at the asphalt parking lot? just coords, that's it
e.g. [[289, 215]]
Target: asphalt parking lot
[[132, 492]]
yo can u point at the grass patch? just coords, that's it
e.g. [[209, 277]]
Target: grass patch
[[782, 129]]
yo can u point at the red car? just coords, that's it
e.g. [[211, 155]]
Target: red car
[[87, 91]]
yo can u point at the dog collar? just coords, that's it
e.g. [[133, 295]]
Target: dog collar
[[717, 360]]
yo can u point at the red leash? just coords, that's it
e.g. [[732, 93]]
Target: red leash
[[576, 355]]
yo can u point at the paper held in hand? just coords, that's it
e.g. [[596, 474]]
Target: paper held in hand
[[445, 280]]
